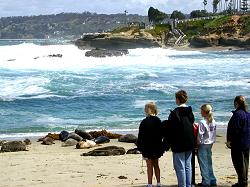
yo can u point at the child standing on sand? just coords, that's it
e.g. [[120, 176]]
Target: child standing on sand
[[206, 139], [150, 142]]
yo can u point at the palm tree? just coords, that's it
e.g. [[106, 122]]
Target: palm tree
[[225, 7], [205, 3], [215, 5]]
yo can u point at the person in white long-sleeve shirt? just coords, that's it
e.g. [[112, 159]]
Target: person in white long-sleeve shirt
[[206, 139]]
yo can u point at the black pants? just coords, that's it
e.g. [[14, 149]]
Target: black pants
[[193, 165], [240, 159]]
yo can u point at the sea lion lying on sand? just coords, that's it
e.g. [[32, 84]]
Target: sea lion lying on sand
[[2, 142], [54, 136], [69, 142], [63, 135], [48, 141], [74, 136], [13, 146], [110, 135], [133, 151], [129, 138], [102, 139], [83, 134], [86, 144], [106, 151], [27, 141]]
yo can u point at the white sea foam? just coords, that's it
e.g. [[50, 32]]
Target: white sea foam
[[31, 56], [141, 103], [54, 122], [11, 89]]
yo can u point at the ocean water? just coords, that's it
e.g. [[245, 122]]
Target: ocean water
[[41, 94]]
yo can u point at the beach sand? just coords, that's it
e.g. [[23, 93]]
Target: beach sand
[[57, 166]]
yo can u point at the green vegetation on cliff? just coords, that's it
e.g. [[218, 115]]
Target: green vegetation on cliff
[[159, 29], [219, 25]]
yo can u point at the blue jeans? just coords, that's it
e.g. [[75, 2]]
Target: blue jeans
[[206, 166], [183, 168]]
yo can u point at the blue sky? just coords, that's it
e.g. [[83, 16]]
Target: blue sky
[[38, 7]]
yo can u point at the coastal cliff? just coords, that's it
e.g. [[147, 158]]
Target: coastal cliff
[[222, 31], [130, 39]]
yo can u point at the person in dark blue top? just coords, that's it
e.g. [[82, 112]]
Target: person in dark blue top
[[238, 140], [150, 141]]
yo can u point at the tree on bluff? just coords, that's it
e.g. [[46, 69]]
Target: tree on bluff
[[177, 15], [199, 13], [156, 16]]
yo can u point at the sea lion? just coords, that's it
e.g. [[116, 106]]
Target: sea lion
[[106, 151], [27, 141], [83, 134], [133, 151], [85, 144], [63, 136], [110, 135], [69, 142], [2, 142], [13, 146], [129, 138], [74, 136], [54, 136], [102, 139], [48, 141]]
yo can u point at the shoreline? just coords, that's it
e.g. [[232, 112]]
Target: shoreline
[[22, 136], [54, 165]]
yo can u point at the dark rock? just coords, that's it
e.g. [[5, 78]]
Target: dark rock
[[56, 55], [115, 43], [106, 151], [13, 146], [129, 138], [122, 177], [202, 42], [234, 42], [11, 59], [101, 53]]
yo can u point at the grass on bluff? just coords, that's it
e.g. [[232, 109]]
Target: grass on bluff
[[245, 21], [159, 29], [203, 27]]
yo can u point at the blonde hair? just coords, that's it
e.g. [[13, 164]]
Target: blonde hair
[[151, 109], [207, 108]]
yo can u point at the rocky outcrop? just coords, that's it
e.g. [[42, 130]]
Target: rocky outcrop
[[209, 41], [116, 41], [231, 33], [106, 53]]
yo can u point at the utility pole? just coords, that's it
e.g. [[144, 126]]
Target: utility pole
[[125, 12]]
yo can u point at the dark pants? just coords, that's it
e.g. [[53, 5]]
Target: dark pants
[[193, 165], [240, 161]]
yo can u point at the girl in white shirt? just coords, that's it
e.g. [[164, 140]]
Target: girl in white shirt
[[206, 139]]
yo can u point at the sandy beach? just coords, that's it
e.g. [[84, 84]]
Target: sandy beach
[[54, 165]]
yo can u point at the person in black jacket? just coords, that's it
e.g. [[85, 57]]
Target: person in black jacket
[[238, 140], [150, 142], [181, 138]]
